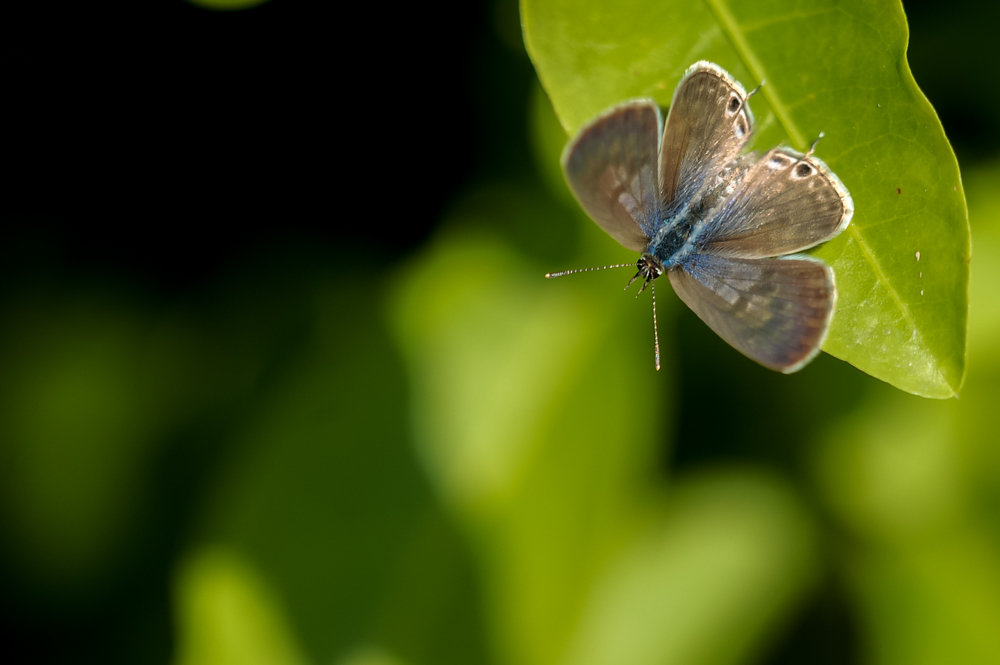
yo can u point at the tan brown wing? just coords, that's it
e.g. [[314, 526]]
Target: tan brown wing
[[708, 124], [774, 311], [611, 169], [787, 202]]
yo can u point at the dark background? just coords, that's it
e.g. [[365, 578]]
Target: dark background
[[155, 141]]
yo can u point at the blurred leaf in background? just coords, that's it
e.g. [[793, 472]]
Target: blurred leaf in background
[[226, 616], [247, 414], [914, 491]]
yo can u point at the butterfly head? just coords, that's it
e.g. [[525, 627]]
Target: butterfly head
[[648, 268]]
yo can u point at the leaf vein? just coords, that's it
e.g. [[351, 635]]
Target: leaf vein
[[736, 36]]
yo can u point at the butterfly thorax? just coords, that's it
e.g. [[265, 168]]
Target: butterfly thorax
[[677, 236], [671, 242]]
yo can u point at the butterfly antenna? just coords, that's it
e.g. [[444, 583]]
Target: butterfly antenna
[[813, 146], [563, 273], [656, 331], [749, 95]]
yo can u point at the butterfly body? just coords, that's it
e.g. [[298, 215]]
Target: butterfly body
[[721, 224]]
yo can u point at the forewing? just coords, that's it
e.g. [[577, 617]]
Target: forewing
[[787, 202], [775, 311], [611, 169], [708, 124]]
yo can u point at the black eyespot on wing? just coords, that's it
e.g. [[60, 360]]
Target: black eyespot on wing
[[741, 127]]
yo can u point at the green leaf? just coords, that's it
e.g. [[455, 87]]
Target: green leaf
[[902, 265]]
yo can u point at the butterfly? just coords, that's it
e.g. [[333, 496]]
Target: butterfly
[[723, 225]]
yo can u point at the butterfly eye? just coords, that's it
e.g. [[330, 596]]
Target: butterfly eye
[[734, 104], [803, 170]]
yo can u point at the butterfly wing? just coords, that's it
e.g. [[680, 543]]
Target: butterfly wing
[[787, 202], [775, 311], [708, 124], [611, 169]]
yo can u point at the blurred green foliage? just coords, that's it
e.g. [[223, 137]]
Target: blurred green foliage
[[318, 455]]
